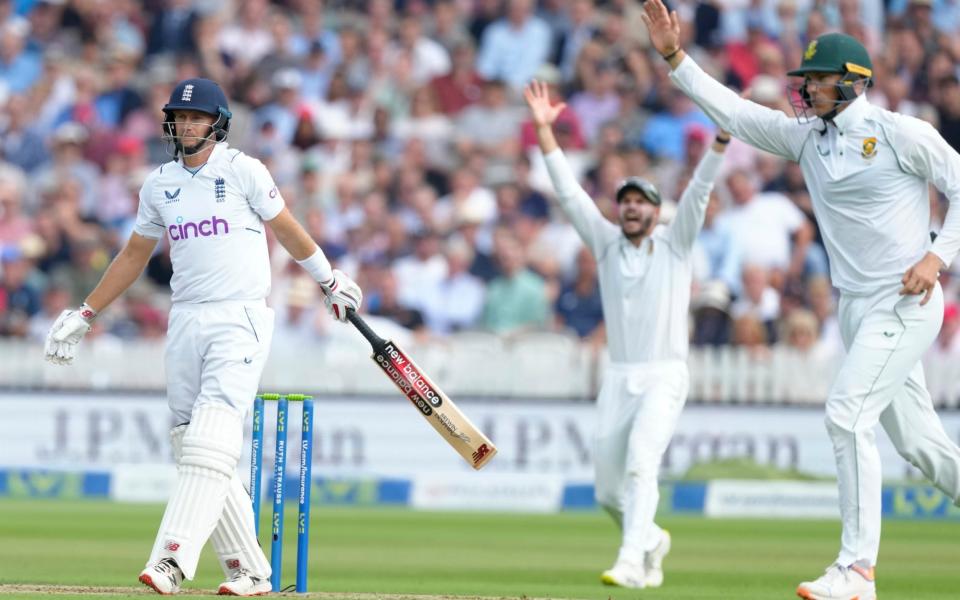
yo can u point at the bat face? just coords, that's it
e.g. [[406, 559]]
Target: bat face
[[435, 406]]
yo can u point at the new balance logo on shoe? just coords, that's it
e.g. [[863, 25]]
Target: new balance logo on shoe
[[164, 577], [244, 584]]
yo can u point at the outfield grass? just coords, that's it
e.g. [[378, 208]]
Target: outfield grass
[[388, 552]]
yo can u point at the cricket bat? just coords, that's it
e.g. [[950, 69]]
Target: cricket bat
[[433, 404]]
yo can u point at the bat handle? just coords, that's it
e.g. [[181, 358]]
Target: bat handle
[[375, 340]]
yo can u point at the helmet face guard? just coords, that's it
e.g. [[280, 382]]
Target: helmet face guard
[[174, 144], [802, 103], [200, 95]]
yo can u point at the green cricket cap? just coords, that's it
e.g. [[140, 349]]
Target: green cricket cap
[[835, 53]]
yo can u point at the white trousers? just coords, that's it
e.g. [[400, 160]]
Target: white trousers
[[881, 379], [215, 353], [639, 405]]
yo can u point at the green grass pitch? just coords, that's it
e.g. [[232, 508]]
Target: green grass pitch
[[394, 553]]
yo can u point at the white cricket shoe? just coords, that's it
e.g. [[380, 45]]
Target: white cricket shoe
[[244, 584], [855, 582], [164, 577], [653, 561], [625, 574]]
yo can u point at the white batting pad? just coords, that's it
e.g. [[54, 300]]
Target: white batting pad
[[176, 442], [233, 538], [210, 451]]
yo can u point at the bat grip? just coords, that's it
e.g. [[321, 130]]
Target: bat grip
[[375, 340]]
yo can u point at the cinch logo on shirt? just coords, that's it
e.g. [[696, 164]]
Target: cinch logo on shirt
[[205, 228]]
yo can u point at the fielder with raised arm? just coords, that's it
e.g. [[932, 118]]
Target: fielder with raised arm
[[868, 171], [645, 273], [212, 203]]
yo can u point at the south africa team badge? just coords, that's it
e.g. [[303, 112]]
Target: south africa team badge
[[869, 149]]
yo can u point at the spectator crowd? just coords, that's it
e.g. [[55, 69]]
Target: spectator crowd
[[396, 132]]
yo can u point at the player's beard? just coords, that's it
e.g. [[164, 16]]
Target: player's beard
[[646, 223], [197, 147]]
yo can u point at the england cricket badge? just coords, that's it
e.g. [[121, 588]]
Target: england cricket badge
[[869, 149]]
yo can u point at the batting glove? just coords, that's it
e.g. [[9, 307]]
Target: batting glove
[[341, 293], [66, 333]]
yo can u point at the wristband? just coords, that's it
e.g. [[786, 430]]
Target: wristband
[[318, 266], [719, 140], [672, 54], [87, 313]]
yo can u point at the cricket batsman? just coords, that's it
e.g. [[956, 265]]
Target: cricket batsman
[[645, 273], [211, 201], [867, 170]]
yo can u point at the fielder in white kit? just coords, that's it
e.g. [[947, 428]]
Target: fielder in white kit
[[212, 203], [867, 170], [645, 273]]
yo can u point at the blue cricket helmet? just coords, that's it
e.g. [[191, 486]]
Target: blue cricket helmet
[[202, 95]]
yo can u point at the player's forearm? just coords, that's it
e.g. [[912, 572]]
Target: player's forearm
[[562, 177], [720, 142], [546, 139], [947, 245], [298, 243], [292, 236], [923, 152], [295, 240], [576, 204], [120, 275], [801, 246], [676, 58], [693, 202], [715, 99]]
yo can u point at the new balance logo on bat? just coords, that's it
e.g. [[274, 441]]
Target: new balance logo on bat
[[480, 452]]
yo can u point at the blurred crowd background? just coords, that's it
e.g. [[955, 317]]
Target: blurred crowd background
[[397, 134]]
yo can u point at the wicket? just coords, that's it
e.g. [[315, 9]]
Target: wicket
[[279, 467]]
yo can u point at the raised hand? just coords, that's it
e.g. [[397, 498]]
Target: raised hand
[[664, 27], [537, 95]]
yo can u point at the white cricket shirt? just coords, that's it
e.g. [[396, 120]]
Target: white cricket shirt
[[645, 289], [867, 175], [214, 222]]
